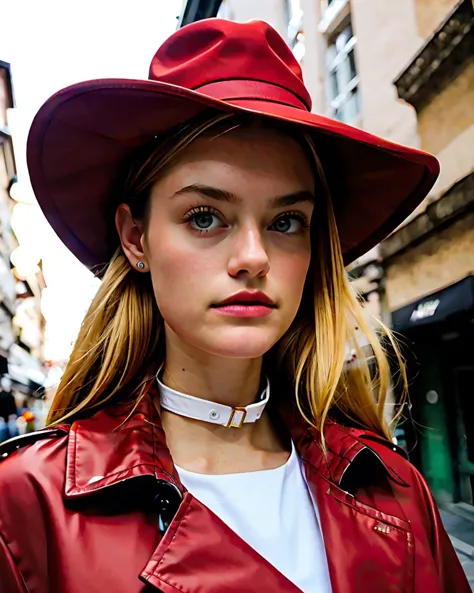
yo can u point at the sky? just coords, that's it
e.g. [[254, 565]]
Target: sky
[[51, 44]]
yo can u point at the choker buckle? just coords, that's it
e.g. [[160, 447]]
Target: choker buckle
[[234, 413]]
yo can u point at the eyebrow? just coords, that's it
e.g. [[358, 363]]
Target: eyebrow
[[223, 195]]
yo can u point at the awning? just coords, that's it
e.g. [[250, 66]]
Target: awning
[[25, 372], [22, 382], [26, 389], [436, 306]]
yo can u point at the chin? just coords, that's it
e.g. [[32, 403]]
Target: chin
[[242, 343]]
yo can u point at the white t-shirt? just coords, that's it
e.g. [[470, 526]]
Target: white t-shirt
[[272, 510]]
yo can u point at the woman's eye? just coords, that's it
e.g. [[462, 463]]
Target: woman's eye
[[289, 224], [203, 220]]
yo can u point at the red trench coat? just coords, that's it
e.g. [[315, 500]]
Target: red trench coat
[[76, 516]]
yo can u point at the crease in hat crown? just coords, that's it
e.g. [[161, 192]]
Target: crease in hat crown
[[209, 56]]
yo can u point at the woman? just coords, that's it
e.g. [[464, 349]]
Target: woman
[[208, 433]]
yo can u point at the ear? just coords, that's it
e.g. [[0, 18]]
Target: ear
[[131, 235]]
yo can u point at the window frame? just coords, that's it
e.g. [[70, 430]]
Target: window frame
[[336, 102], [294, 32]]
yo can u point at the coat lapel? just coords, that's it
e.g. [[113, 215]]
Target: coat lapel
[[200, 553], [368, 549], [369, 546]]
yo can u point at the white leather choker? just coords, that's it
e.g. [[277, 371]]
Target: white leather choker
[[202, 409]]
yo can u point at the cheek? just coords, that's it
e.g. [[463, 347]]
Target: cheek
[[177, 271], [291, 274]]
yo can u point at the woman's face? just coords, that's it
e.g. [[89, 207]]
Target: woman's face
[[232, 215]]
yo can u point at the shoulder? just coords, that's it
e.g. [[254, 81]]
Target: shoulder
[[348, 442], [32, 444], [389, 453], [407, 484], [394, 458], [381, 451], [31, 463], [32, 471], [21, 443]]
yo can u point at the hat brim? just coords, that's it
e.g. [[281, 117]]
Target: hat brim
[[83, 134]]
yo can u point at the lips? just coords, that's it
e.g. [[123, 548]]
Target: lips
[[248, 298]]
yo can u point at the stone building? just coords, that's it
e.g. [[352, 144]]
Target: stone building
[[429, 262], [21, 321], [7, 175], [405, 70]]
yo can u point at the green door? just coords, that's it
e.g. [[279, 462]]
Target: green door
[[431, 401]]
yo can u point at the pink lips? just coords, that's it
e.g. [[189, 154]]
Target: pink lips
[[246, 304]]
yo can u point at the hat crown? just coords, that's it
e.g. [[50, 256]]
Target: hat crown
[[214, 50]]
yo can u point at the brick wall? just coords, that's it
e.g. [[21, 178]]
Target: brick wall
[[449, 114], [439, 261]]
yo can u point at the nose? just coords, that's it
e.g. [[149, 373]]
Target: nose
[[249, 254]]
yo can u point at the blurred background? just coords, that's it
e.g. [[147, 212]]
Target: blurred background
[[403, 70]]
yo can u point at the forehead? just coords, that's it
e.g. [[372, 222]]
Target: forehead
[[243, 159]]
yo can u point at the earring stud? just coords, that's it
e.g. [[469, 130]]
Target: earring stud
[[140, 265]]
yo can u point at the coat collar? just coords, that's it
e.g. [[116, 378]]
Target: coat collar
[[119, 443], [344, 446]]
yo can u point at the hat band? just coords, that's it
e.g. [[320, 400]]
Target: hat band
[[255, 90]]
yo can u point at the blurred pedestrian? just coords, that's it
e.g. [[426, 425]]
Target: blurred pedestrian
[[7, 404], [208, 433]]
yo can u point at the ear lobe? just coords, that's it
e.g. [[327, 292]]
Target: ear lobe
[[130, 232]]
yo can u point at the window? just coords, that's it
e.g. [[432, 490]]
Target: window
[[293, 11], [342, 87], [295, 35], [333, 14]]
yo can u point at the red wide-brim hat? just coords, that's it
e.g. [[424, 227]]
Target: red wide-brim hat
[[83, 135]]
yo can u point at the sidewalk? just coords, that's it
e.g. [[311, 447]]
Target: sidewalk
[[458, 520]]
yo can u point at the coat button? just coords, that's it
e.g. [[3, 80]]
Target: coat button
[[166, 503]]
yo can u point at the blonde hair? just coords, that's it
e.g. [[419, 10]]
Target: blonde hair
[[122, 333]]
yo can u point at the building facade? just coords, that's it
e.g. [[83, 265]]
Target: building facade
[[7, 175], [429, 262], [21, 321], [405, 70]]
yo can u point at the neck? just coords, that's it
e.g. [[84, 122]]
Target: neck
[[232, 382], [208, 448]]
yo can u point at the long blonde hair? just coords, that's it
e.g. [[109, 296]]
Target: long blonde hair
[[122, 333]]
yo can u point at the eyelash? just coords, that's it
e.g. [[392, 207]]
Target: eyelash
[[299, 216], [302, 219], [199, 210]]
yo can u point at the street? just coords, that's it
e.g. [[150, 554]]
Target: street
[[468, 565], [458, 520]]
